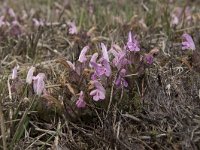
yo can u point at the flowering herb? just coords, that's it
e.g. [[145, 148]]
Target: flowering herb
[[188, 42]]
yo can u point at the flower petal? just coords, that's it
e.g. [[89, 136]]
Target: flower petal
[[82, 57]]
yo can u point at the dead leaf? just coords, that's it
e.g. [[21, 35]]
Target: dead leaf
[[70, 88]]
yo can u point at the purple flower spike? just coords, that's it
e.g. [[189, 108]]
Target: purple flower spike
[[99, 92], [38, 84], [121, 82], [72, 28], [188, 42], [132, 44], [82, 57], [14, 72], [80, 103], [29, 77]]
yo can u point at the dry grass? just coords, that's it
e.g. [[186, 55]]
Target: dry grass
[[161, 110]]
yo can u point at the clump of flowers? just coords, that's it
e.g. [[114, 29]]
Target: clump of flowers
[[37, 82], [95, 73], [9, 20], [105, 65]]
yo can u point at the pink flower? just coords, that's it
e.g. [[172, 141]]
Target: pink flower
[[29, 76], [38, 84], [80, 103], [121, 82], [132, 44], [99, 92], [93, 59], [104, 52], [188, 42], [72, 28], [82, 57], [101, 69], [14, 72]]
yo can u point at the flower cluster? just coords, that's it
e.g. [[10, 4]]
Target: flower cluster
[[9, 20], [104, 65], [11, 24]]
